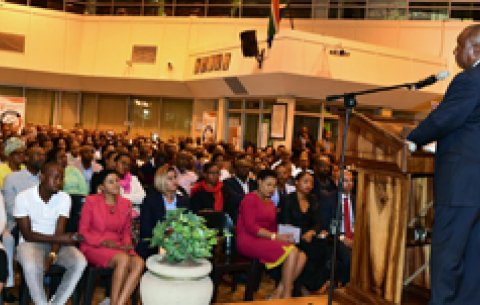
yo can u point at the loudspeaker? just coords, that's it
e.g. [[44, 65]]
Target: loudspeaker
[[249, 43]]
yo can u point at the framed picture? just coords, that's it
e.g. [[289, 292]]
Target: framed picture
[[218, 62], [204, 65], [198, 64], [226, 61], [278, 122]]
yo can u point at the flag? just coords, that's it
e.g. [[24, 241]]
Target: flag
[[277, 8]]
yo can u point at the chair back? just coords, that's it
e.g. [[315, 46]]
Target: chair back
[[215, 219], [75, 212]]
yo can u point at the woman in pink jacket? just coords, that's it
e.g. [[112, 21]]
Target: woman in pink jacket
[[105, 224]]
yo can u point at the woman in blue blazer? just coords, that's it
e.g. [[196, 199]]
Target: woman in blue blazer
[[155, 205]]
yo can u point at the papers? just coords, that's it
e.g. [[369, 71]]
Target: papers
[[287, 229]]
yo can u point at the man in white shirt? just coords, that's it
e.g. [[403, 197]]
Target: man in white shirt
[[42, 213], [185, 177]]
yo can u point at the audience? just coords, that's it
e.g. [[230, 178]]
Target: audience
[[130, 186], [211, 193], [186, 178], [301, 209], [105, 223], [86, 164], [328, 211], [283, 188], [42, 213], [156, 204], [73, 181], [257, 235], [4, 272], [15, 152], [15, 183]]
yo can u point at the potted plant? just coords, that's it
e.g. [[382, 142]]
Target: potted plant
[[180, 275]]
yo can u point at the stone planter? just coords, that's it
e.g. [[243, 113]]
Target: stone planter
[[172, 284]]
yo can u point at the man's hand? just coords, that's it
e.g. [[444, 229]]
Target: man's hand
[[348, 242], [48, 263], [308, 236], [109, 244]]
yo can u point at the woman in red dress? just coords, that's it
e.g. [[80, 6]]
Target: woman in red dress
[[257, 235], [105, 223]]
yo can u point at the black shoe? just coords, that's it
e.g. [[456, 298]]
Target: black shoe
[[8, 297]]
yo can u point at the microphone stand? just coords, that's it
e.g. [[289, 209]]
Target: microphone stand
[[350, 102]]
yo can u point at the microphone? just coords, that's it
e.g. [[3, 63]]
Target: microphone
[[432, 79]]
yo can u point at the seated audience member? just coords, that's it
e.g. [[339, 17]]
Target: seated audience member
[[257, 167], [156, 204], [239, 184], [110, 164], [15, 152], [328, 142], [105, 223], [185, 177], [328, 211], [283, 188], [211, 193], [3, 255], [73, 181], [130, 187], [257, 235], [15, 183], [86, 165], [42, 213], [218, 160], [73, 153], [301, 209], [149, 168], [302, 163], [323, 183]]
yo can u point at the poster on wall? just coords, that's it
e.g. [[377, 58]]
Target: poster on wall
[[209, 126], [12, 112], [278, 122]]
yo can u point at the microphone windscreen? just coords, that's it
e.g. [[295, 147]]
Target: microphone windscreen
[[443, 75]]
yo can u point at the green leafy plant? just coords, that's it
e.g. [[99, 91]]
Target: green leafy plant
[[184, 236]]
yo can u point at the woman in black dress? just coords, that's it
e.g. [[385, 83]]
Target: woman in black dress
[[302, 209], [210, 193]]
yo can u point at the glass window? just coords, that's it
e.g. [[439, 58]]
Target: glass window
[[251, 129], [387, 13], [428, 3], [268, 104], [298, 12], [190, 10], [252, 105], [387, 2], [255, 11], [127, 10], [312, 123], [308, 107], [176, 118], [11, 91], [465, 15], [112, 112], [68, 109], [466, 4], [24, 2], [145, 115], [320, 12], [103, 10], [196, 2], [427, 14], [267, 118], [76, 8], [257, 1], [89, 110], [235, 104], [347, 12], [223, 11], [39, 106], [158, 10], [331, 125]]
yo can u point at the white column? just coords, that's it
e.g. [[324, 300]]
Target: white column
[[221, 119]]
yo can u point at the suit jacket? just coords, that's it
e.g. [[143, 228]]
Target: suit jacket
[[328, 208], [96, 167], [237, 192], [92, 221], [455, 125], [292, 214], [152, 211]]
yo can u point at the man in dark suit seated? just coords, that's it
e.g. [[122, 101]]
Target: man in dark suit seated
[[455, 125], [239, 184], [323, 184], [328, 206]]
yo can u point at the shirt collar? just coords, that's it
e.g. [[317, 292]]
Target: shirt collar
[[37, 176], [174, 199]]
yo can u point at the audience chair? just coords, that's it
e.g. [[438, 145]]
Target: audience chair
[[232, 262]]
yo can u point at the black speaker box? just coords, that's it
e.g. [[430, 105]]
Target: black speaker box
[[249, 43]]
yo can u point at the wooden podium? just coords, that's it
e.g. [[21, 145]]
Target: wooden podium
[[392, 187]]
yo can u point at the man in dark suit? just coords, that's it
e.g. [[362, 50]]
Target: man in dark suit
[[239, 184], [455, 125], [328, 207]]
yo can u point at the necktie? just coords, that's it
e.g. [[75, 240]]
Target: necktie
[[346, 219]]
